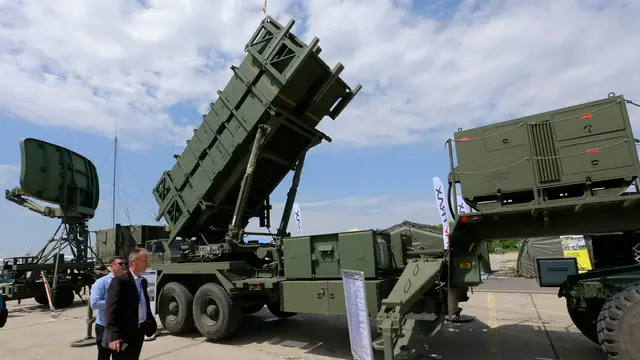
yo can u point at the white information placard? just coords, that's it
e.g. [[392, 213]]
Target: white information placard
[[355, 296], [152, 278]]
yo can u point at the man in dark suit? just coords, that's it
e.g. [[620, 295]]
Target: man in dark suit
[[4, 313], [127, 315]]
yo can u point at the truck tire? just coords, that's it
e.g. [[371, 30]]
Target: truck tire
[[175, 308], [42, 299], [215, 314], [63, 296], [618, 320], [585, 322]]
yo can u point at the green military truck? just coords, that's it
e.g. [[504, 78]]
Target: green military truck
[[564, 171], [559, 172]]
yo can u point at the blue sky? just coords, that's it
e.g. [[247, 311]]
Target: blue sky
[[426, 68]]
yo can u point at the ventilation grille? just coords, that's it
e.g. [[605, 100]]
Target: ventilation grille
[[543, 146]]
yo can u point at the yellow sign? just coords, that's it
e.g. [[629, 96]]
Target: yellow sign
[[465, 265], [582, 256], [575, 246]]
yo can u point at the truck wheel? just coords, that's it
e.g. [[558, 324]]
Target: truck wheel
[[63, 297], [274, 308], [215, 314], [585, 322], [175, 305], [619, 325], [41, 299]]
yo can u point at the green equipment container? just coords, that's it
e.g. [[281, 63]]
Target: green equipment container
[[582, 150]]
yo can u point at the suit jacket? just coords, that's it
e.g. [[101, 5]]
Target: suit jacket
[[4, 313], [121, 311]]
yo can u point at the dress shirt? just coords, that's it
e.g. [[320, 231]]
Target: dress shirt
[[99, 296], [142, 305]]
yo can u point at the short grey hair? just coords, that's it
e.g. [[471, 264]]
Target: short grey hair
[[136, 252]]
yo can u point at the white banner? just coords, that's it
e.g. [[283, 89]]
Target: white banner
[[297, 216], [442, 209], [355, 296], [463, 208]]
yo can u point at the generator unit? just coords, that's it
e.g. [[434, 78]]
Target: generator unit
[[586, 150]]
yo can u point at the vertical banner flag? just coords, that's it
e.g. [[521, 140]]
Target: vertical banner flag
[[298, 217], [463, 208], [442, 209]]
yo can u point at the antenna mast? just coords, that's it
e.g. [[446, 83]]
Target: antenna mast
[[113, 185]]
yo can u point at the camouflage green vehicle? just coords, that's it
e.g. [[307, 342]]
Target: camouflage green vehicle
[[559, 172]]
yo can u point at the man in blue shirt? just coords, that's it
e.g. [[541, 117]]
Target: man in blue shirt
[[98, 297]]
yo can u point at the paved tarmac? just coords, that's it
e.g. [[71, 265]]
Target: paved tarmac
[[514, 319]]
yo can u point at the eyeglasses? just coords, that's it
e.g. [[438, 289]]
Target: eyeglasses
[[120, 263]]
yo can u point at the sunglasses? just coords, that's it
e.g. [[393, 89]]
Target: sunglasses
[[120, 263]]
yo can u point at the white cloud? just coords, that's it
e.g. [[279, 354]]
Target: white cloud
[[9, 175], [355, 212], [82, 64]]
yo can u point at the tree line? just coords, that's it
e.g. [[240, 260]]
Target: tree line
[[507, 245]]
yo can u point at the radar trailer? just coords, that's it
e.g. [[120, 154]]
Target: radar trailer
[[56, 175]]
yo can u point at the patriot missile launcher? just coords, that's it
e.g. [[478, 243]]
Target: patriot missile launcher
[[554, 173], [559, 172]]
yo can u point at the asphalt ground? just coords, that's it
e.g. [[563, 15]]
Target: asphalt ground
[[513, 319]]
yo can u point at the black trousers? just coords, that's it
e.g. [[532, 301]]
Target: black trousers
[[133, 349], [131, 352], [103, 353]]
